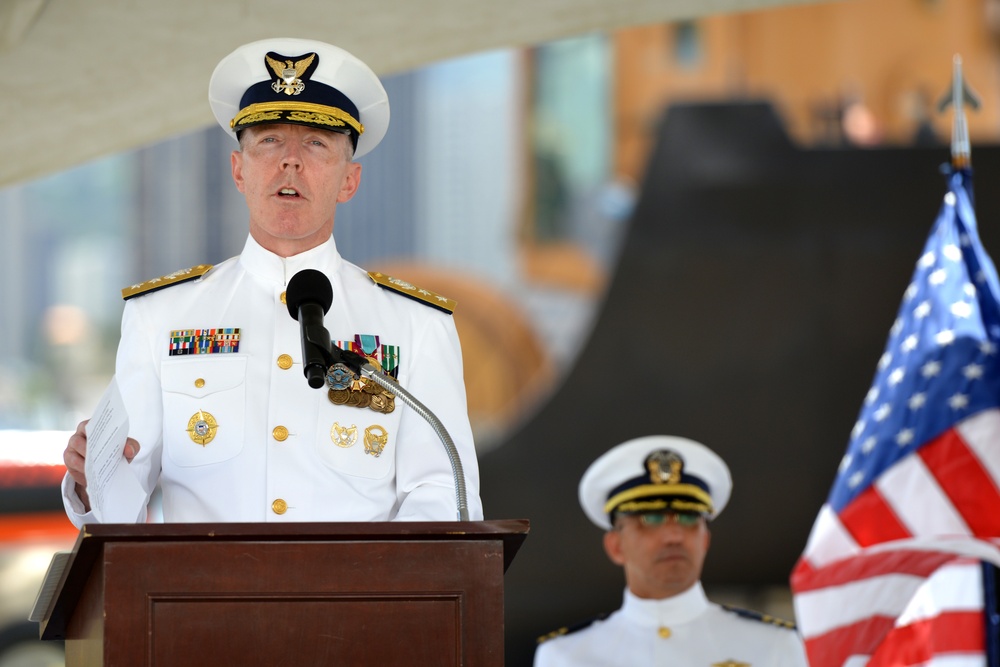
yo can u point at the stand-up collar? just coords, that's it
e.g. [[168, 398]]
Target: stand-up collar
[[275, 269], [668, 611]]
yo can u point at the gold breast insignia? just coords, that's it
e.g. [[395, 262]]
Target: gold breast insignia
[[376, 439], [344, 436], [202, 427]]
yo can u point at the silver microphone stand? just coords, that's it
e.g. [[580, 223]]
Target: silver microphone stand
[[389, 384]]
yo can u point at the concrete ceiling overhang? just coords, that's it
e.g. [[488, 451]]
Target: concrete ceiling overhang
[[84, 79]]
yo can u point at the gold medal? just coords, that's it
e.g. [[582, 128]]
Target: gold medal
[[202, 427], [344, 436], [358, 392], [376, 439]]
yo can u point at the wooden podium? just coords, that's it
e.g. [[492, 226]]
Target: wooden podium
[[357, 594]]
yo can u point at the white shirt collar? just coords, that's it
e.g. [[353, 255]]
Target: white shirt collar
[[669, 611], [272, 268]]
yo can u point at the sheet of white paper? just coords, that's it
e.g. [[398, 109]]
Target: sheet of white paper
[[115, 493]]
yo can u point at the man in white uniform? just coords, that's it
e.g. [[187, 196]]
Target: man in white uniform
[[210, 362], [654, 497]]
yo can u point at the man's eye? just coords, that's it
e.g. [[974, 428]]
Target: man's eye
[[652, 519]]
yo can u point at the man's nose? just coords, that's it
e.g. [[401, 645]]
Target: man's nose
[[291, 157], [670, 532]]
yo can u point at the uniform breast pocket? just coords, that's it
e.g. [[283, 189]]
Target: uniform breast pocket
[[204, 404], [361, 442]]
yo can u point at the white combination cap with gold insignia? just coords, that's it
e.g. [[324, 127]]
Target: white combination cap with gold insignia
[[655, 473], [300, 81]]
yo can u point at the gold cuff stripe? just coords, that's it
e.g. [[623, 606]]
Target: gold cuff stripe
[[318, 113], [647, 490]]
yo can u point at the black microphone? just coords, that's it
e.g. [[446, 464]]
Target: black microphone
[[308, 297]]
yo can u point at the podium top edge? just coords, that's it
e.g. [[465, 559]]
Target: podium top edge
[[310, 531]]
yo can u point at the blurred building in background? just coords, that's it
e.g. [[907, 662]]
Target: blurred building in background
[[849, 74]]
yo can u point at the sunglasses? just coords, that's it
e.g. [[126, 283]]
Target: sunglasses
[[684, 519]]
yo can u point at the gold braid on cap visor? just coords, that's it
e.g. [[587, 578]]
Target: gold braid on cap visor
[[616, 501], [659, 504], [302, 112]]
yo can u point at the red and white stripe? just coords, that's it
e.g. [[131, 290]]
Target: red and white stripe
[[888, 580]]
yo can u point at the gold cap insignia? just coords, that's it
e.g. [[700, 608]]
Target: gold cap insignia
[[289, 79], [665, 467]]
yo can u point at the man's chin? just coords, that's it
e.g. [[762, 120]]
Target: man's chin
[[676, 571]]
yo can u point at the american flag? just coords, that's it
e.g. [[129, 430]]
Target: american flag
[[892, 572]]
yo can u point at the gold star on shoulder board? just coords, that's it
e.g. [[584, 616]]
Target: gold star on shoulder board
[[412, 291], [731, 663], [175, 278]]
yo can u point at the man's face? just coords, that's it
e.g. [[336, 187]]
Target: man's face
[[661, 557], [293, 177]]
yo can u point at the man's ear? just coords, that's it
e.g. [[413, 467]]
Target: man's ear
[[613, 547], [236, 160], [351, 182]]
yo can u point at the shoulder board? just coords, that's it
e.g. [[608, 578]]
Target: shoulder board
[[175, 278], [413, 292], [568, 630], [757, 616]]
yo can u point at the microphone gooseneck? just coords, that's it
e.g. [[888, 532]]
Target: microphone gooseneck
[[458, 472]]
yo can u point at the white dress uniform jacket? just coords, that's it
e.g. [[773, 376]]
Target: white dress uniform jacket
[[686, 630], [273, 457]]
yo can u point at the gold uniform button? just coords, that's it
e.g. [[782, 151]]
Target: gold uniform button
[[280, 433], [282, 297], [279, 506], [284, 362], [199, 383], [663, 632]]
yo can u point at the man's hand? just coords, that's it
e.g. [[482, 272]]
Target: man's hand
[[76, 454]]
